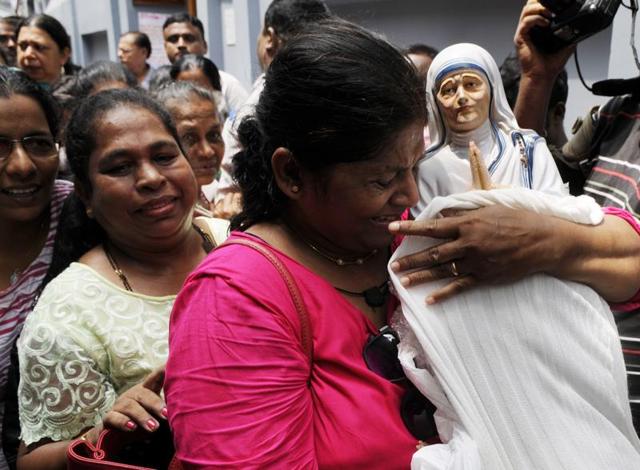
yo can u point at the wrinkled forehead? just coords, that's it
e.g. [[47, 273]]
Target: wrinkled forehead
[[460, 69]]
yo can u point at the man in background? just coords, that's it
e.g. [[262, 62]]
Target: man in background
[[184, 34], [8, 43], [421, 55], [134, 48]]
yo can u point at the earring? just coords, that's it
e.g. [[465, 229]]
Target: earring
[[89, 213], [295, 189]]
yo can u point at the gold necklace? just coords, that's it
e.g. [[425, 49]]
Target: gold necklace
[[207, 246], [334, 259]]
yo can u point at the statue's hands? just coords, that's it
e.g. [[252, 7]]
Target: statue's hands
[[479, 174]]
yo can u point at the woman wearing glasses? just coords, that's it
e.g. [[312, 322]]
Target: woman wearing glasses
[[329, 162], [30, 201]]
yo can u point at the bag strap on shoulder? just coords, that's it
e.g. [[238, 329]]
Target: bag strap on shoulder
[[292, 286]]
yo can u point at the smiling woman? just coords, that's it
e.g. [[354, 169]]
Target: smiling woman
[[30, 203], [198, 121], [136, 241]]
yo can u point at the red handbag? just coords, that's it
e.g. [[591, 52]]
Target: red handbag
[[112, 452]]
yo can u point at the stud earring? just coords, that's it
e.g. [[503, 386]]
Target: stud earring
[[295, 189], [89, 213]]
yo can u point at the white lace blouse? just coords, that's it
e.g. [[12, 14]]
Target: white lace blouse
[[87, 341]]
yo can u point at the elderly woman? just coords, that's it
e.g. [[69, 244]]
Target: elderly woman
[[131, 241], [467, 104], [44, 49], [196, 113]]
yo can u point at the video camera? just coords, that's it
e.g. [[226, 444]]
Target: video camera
[[573, 21]]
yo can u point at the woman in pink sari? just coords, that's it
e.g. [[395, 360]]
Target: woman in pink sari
[[328, 162]]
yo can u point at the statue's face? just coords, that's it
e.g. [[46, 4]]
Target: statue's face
[[463, 98]]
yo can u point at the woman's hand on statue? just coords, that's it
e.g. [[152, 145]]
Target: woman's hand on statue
[[489, 245], [140, 407], [534, 63]]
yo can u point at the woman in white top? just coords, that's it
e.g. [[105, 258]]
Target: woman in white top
[[467, 103], [100, 327]]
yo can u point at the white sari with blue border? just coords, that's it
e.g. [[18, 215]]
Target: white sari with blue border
[[514, 156]]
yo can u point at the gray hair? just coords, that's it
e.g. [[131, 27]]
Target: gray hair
[[181, 91]]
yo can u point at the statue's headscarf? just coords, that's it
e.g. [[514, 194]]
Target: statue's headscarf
[[459, 57]]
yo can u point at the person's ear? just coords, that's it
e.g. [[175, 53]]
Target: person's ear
[[206, 47], [287, 172], [66, 53], [272, 43]]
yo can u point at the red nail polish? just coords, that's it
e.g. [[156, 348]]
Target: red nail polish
[[131, 425], [152, 425], [165, 412]]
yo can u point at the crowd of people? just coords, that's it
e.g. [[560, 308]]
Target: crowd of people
[[181, 253]]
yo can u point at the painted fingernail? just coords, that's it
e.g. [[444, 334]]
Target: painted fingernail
[[393, 226], [395, 266], [131, 425], [152, 425], [164, 412]]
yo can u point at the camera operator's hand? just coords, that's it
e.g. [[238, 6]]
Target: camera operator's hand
[[539, 69], [534, 63]]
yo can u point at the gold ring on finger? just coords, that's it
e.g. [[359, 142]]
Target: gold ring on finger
[[454, 269]]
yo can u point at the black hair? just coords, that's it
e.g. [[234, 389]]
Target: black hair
[[77, 233], [102, 71], [13, 20], [3, 58], [161, 76], [140, 39], [16, 82], [422, 49], [193, 61], [334, 93], [289, 17], [510, 72], [54, 29], [184, 18]]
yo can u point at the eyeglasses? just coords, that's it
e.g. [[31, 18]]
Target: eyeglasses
[[5, 38], [381, 356], [36, 146]]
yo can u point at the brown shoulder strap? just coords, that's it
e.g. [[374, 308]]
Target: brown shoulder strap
[[292, 286]]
